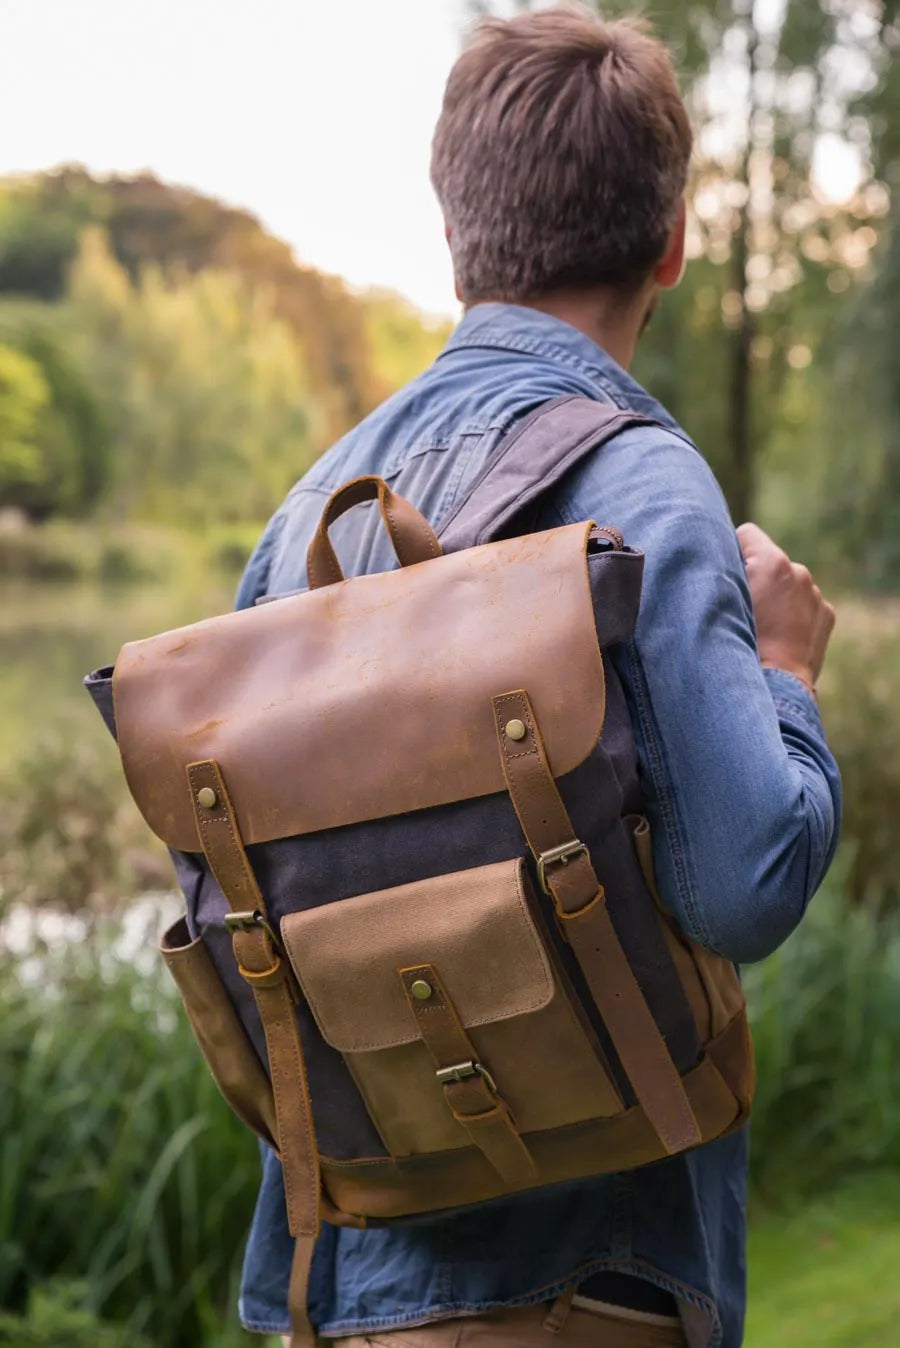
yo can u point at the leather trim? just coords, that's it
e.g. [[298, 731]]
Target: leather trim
[[394, 1188], [368, 698], [230, 1056], [473, 926]]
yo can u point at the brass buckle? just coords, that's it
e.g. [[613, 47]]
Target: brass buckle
[[246, 921], [563, 854], [464, 1071]]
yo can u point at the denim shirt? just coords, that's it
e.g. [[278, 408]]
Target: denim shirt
[[742, 794]]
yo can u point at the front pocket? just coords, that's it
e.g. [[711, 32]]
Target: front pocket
[[231, 1057], [476, 929]]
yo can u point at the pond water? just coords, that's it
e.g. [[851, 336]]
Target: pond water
[[51, 635]]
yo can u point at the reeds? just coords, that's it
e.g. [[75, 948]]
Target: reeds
[[122, 1171]]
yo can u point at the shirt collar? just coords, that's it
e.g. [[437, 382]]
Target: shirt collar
[[516, 327]]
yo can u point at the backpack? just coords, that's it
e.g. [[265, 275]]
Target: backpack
[[424, 954]]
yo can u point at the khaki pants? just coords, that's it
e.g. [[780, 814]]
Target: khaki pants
[[542, 1326]]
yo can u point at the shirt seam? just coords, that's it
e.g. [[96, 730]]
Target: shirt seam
[[447, 1310], [533, 346]]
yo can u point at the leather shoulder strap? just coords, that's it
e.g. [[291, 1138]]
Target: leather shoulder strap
[[529, 461]]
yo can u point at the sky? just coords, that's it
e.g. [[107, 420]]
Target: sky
[[315, 114]]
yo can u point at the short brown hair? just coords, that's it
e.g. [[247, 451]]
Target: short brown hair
[[560, 155]]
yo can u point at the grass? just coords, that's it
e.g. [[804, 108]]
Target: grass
[[825, 1011], [122, 1169], [826, 1275], [123, 1173]]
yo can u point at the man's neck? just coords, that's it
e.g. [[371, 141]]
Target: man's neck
[[613, 323]]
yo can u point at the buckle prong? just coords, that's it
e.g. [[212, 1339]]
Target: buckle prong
[[464, 1071], [247, 921], [562, 854]]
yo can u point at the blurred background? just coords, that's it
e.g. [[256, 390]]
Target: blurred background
[[218, 250]]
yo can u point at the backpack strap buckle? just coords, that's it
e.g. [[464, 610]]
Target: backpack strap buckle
[[462, 1071], [563, 854], [247, 921]]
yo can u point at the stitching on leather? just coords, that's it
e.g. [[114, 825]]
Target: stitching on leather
[[535, 945], [521, 704], [247, 877], [281, 1023]]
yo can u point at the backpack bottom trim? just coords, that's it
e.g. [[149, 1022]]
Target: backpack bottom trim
[[396, 1188]]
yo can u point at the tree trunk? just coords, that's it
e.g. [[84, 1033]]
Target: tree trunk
[[741, 487], [741, 484]]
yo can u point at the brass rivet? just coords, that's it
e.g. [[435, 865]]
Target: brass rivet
[[207, 798], [421, 990], [515, 729]]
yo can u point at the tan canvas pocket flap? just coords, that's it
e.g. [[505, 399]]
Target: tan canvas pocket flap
[[474, 926]]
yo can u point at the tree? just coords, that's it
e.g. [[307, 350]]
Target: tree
[[23, 397], [768, 86], [42, 220], [203, 385]]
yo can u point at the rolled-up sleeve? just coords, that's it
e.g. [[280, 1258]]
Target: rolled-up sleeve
[[743, 794]]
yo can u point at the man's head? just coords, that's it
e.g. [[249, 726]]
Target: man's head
[[560, 159]]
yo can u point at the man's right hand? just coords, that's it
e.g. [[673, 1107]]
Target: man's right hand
[[793, 621]]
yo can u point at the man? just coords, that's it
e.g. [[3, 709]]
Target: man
[[560, 161]]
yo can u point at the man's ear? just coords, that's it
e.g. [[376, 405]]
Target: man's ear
[[670, 268]]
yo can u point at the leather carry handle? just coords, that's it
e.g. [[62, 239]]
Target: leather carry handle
[[411, 535]]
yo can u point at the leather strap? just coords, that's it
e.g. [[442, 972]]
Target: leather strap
[[302, 1334], [220, 839], [471, 1094], [412, 536], [265, 968], [584, 918], [268, 973]]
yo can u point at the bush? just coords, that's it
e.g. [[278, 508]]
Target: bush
[[38, 554], [859, 707], [120, 563], [825, 1011], [123, 1169], [70, 838], [56, 1318]]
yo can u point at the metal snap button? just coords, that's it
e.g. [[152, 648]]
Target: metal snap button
[[207, 798], [515, 729], [421, 990]]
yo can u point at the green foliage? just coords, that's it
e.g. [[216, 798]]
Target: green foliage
[[122, 1168], [203, 388], [56, 1318], [401, 343], [40, 223], [70, 839], [23, 397], [826, 1023], [186, 369], [859, 701], [42, 220]]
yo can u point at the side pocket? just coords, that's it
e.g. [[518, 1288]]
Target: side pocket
[[711, 982], [230, 1056]]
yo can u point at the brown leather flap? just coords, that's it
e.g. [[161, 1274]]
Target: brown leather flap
[[367, 698], [474, 927]]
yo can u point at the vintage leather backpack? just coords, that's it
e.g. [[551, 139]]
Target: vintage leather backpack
[[423, 952]]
